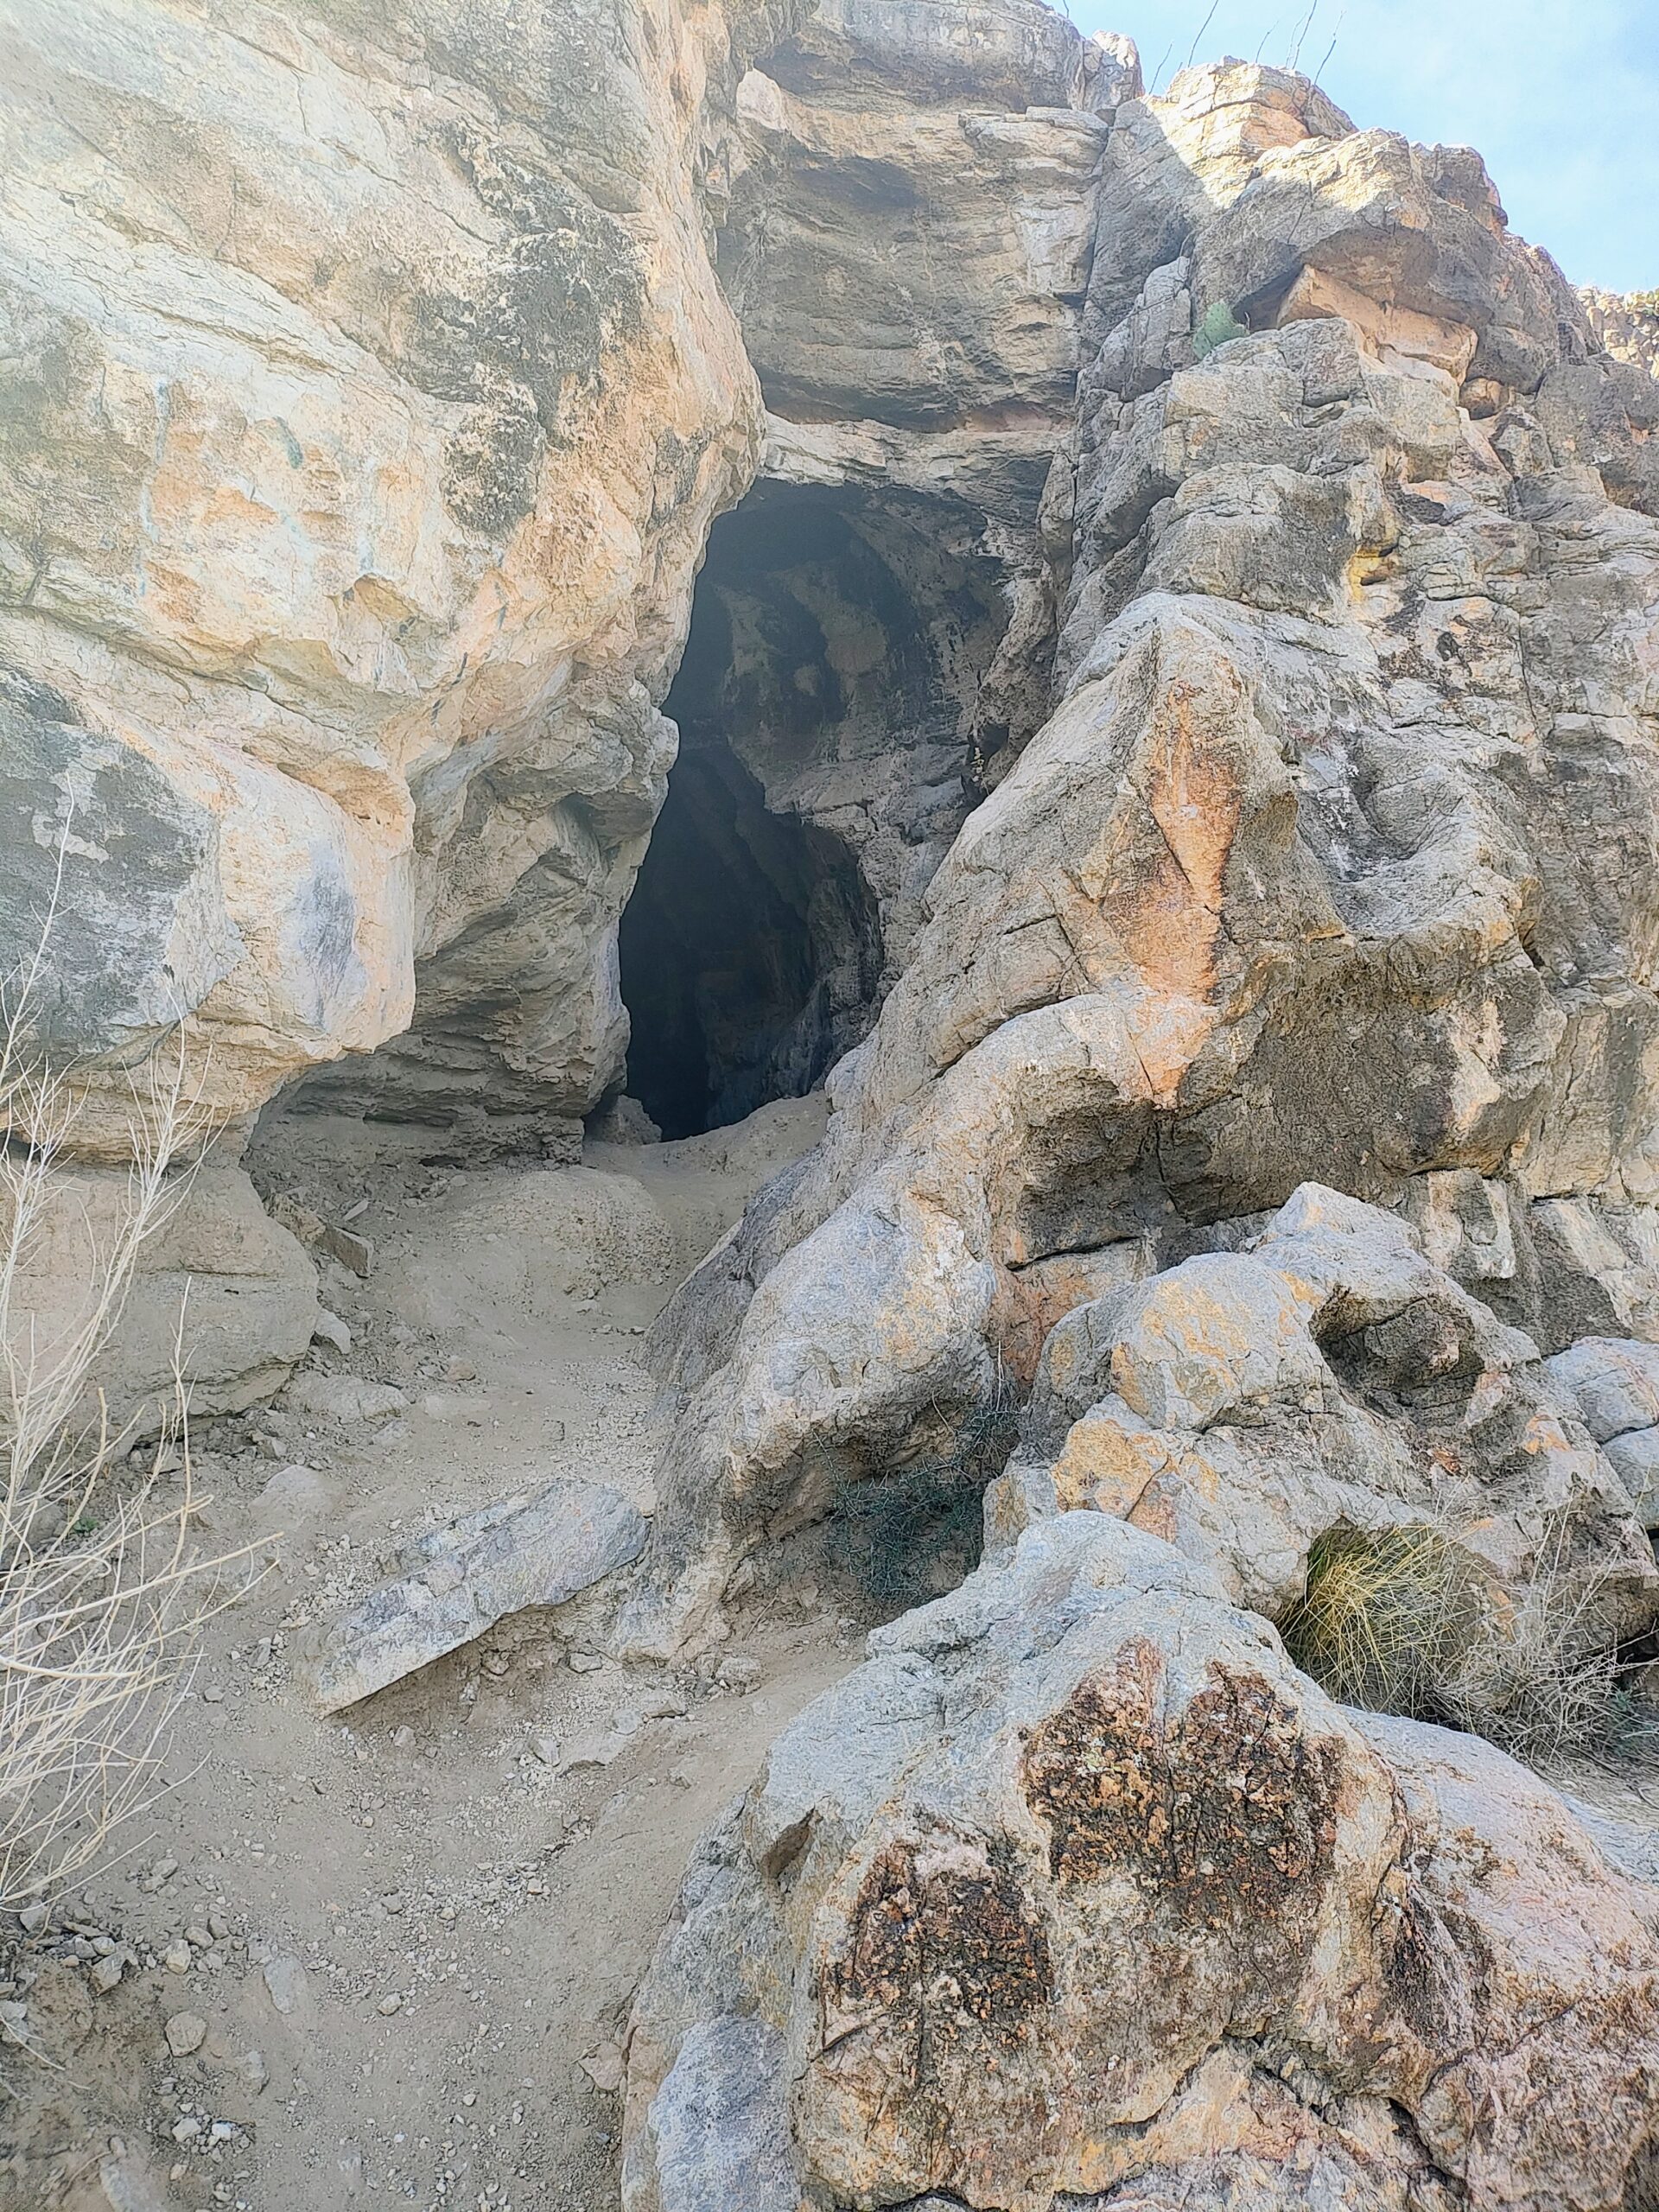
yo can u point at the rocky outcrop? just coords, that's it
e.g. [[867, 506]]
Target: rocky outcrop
[[1335, 860], [1076, 1893], [373, 403], [220, 1297], [905, 230], [1626, 324], [373, 392], [1243, 1404]]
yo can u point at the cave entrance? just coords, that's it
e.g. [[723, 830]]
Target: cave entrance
[[754, 948], [830, 703], [750, 950]]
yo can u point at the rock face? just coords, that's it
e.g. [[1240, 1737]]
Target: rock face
[[1243, 1404], [905, 232], [1336, 860], [1170, 734], [1627, 324], [371, 395], [217, 1281], [1076, 1893]]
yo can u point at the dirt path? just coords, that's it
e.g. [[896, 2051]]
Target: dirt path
[[394, 1948]]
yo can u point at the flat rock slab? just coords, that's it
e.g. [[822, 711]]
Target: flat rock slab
[[545, 1550]]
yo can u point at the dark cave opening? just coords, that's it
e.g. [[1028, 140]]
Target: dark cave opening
[[749, 951], [824, 699]]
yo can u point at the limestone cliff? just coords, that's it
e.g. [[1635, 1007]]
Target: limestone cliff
[[371, 395]]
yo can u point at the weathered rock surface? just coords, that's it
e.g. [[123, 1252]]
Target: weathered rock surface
[[1626, 323], [1077, 1893], [906, 227], [1243, 1404], [538, 1551], [1336, 861], [220, 1293], [371, 393]]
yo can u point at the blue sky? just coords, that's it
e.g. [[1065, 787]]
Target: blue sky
[[1561, 96]]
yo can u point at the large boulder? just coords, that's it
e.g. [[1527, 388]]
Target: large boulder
[[219, 1298], [1075, 1893]]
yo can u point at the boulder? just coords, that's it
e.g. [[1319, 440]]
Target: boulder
[[1076, 1892], [220, 1297], [538, 1551]]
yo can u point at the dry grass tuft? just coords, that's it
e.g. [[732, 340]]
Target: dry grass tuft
[[1385, 1618], [1542, 1680], [1404, 1621], [103, 1594]]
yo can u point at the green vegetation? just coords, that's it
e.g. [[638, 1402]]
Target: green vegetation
[[1218, 326]]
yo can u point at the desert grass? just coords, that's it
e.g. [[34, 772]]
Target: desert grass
[[103, 1591], [1404, 1620], [1385, 1618]]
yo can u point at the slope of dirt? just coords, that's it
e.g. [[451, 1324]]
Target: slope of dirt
[[406, 1936]]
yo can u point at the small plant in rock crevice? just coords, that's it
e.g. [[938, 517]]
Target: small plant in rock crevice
[[904, 1537]]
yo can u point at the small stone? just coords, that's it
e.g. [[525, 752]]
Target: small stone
[[545, 1747], [185, 2032], [593, 1752], [390, 2004], [285, 1982], [213, 1694], [450, 1405], [344, 1397], [737, 1671], [605, 2068], [402, 1737], [352, 1250], [329, 1328], [34, 1916], [585, 1663], [186, 2130], [217, 1927], [198, 1938], [107, 1973], [176, 1957]]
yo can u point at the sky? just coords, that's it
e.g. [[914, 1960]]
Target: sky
[[1561, 96]]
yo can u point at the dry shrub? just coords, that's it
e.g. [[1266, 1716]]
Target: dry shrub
[[1542, 1680], [1402, 1620], [103, 1595], [1384, 1619]]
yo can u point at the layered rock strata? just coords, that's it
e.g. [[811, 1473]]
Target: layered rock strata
[[372, 393]]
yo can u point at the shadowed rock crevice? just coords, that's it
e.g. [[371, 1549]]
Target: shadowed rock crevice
[[826, 706], [749, 951]]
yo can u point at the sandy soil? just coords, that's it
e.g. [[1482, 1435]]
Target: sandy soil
[[395, 1948]]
